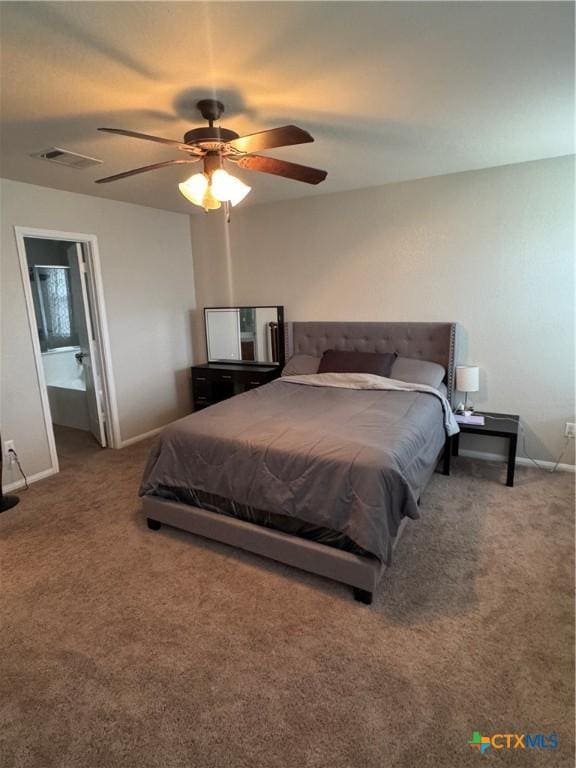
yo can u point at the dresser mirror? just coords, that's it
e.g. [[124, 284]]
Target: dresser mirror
[[249, 335]]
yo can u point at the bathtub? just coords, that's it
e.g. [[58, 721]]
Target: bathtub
[[66, 387]]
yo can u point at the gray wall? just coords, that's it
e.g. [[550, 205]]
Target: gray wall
[[149, 292], [492, 249]]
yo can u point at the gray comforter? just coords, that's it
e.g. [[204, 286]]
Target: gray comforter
[[354, 461]]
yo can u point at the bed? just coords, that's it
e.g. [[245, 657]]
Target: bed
[[307, 471]]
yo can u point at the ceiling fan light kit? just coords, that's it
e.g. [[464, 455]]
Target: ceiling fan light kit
[[213, 145], [213, 186]]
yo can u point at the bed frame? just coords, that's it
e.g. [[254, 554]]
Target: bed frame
[[436, 342]]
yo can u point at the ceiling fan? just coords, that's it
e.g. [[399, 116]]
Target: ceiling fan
[[214, 145]]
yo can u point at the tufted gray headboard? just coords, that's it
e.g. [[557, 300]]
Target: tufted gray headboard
[[427, 341]]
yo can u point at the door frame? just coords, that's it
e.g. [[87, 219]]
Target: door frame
[[93, 266], [93, 371]]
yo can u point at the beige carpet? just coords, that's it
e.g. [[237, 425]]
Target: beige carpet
[[131, 648]]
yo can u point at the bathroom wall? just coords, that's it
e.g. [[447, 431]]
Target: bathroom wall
[[64, 374], [66, 389], [61, 369]]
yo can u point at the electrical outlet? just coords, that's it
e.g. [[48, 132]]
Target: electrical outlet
[[570, 430], [9, 446]]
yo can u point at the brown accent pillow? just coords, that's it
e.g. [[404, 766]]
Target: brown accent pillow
[[335, 361]]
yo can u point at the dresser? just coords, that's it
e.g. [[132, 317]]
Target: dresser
[[213, 382]]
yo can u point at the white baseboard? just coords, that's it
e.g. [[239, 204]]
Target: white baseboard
[[139, 438], [15, 486], [521, 460], [32, 479]]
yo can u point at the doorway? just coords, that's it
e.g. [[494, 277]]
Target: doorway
[[62, 285]]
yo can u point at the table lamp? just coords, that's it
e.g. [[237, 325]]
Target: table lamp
[[467, 380]]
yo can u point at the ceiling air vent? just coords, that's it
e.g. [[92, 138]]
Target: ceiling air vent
[[65, 157]]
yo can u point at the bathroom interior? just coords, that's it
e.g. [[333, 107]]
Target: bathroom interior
[[56, 283]]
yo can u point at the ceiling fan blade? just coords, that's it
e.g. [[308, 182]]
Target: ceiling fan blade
[[147, 137], [275, 137], [282, 168], [144, 169]]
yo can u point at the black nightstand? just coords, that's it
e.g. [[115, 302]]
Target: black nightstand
[[213, 382], [497, 425]]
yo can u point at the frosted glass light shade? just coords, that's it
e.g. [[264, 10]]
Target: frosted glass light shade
[[228, 188], [467, 378], [209, 202], [196, 190]]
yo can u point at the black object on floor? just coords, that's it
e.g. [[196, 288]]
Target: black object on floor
[[362, 596], [7, 502]]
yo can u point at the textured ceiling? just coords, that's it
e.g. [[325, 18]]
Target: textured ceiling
[[390, 91]]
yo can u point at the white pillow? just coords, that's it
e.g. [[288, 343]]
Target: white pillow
[[299, 365]]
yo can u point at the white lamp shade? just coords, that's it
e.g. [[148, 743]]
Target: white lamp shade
[[194, 188], [467, 378], [225, 187]]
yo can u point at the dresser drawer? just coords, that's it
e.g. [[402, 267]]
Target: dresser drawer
[[256, 377], [212, 384], [211, 374], [202, 402], [253, 383], [202, 388]]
